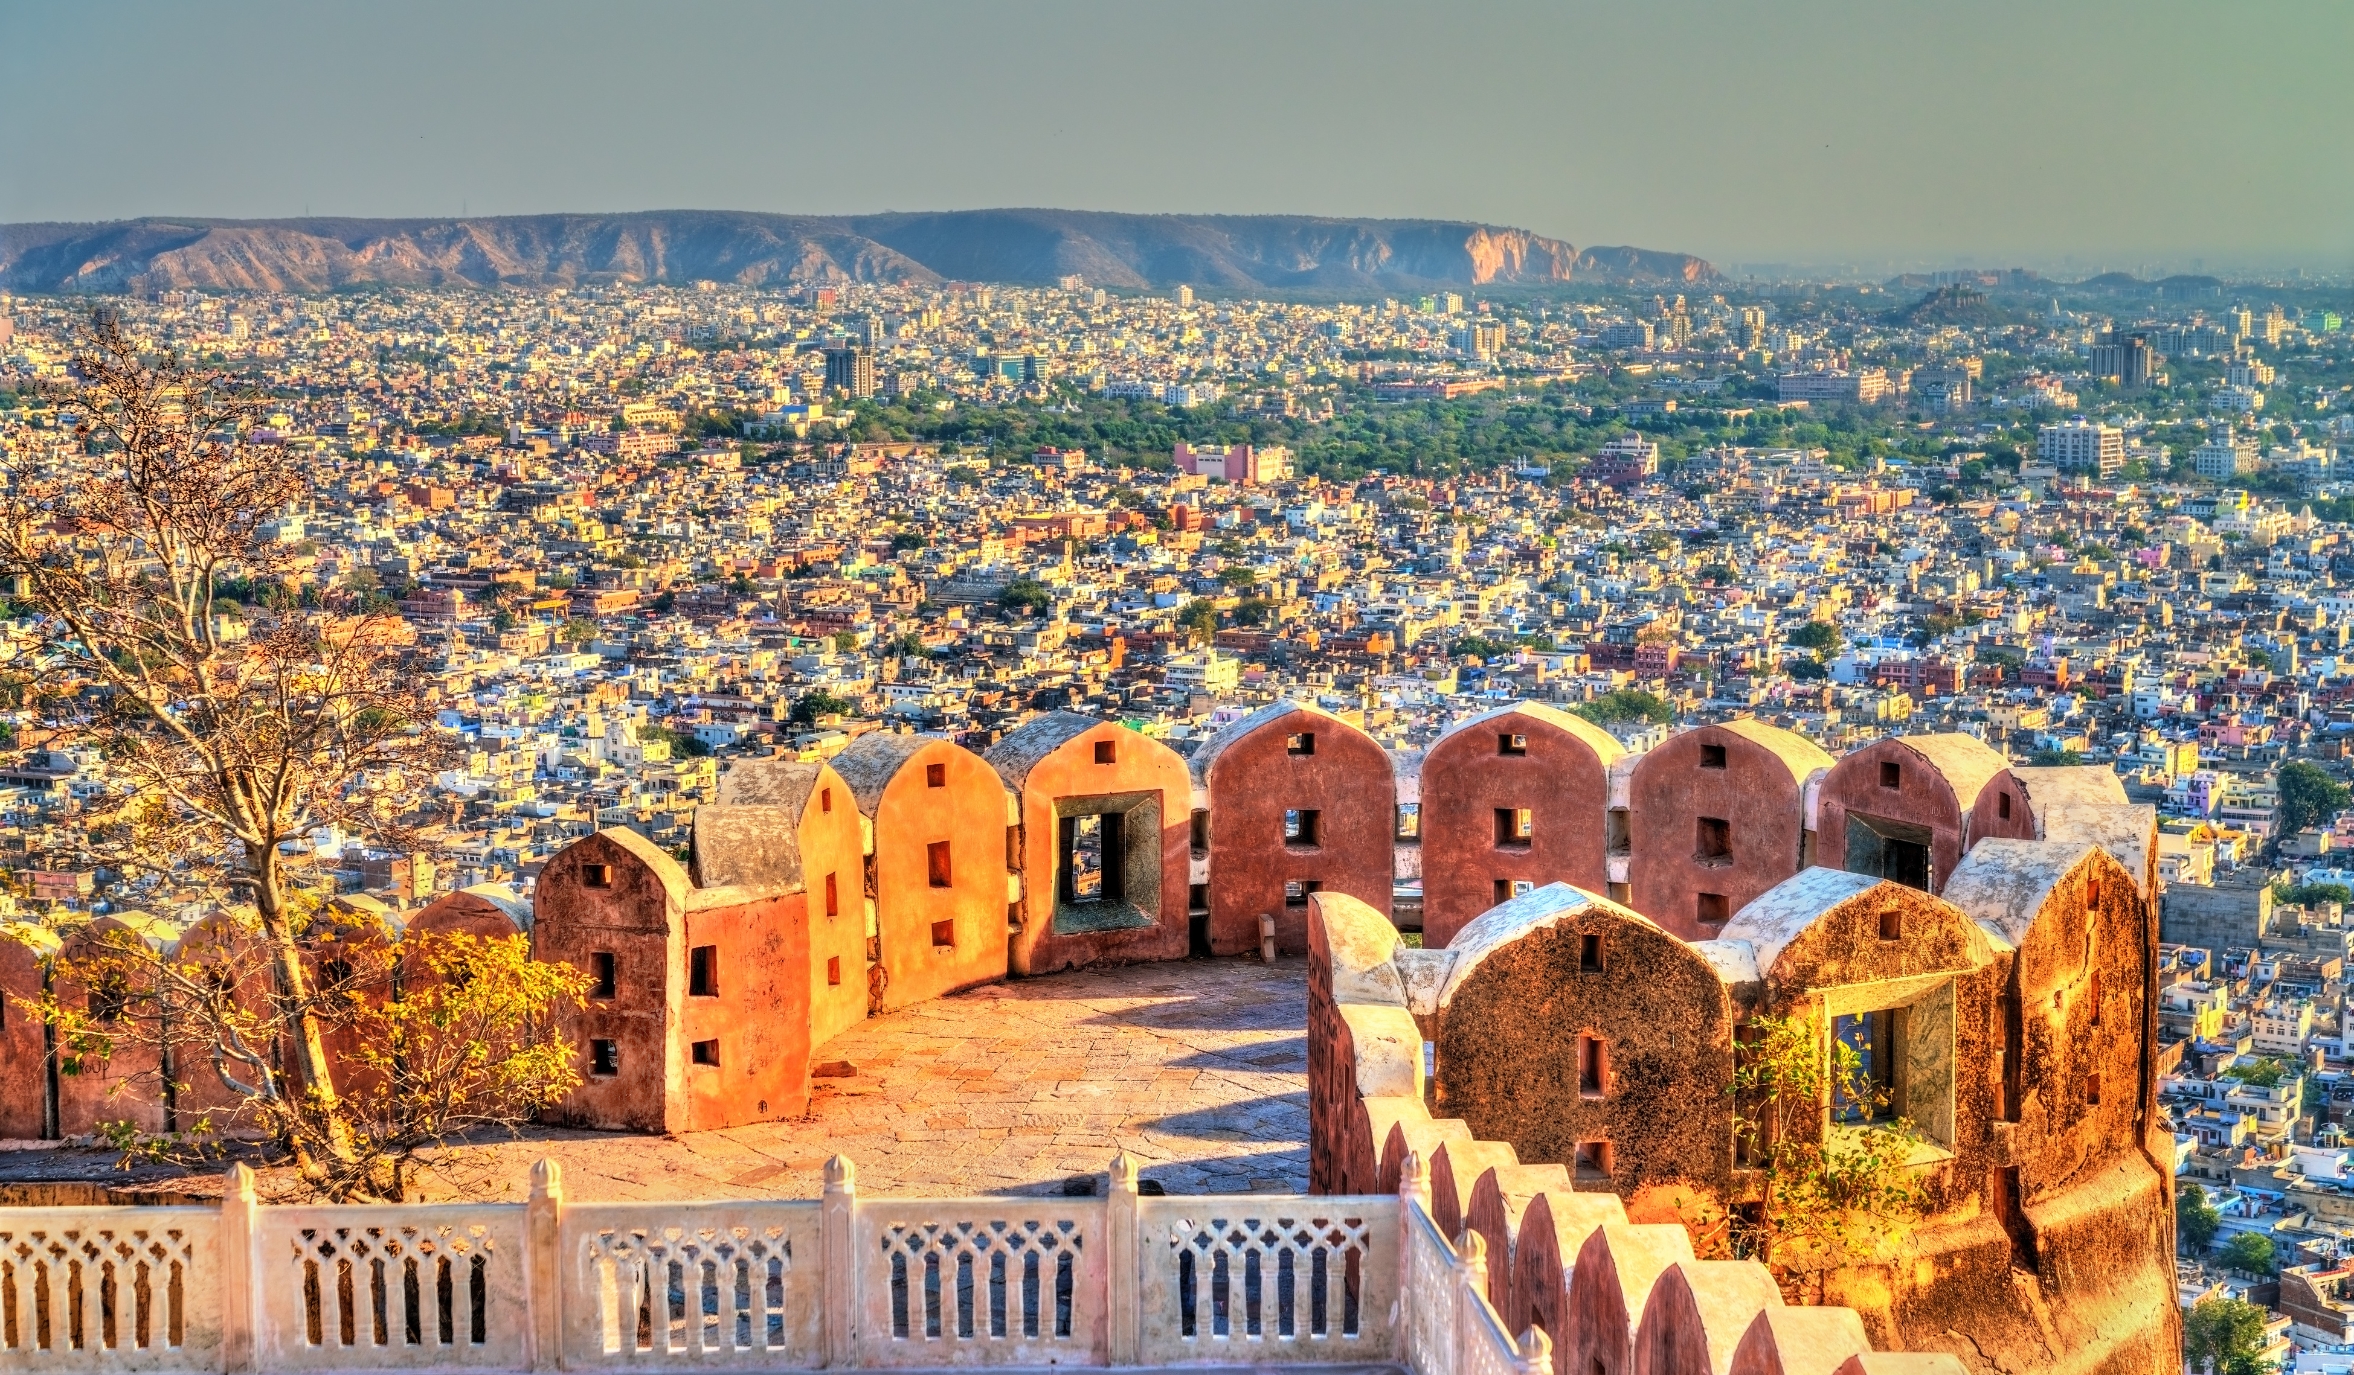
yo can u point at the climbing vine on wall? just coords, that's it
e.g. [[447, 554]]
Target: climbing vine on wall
[[1828, 1194]]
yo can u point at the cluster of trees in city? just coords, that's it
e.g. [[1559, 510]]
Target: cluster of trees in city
[[1556, 430]]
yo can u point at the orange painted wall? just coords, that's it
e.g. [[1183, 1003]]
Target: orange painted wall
[[833, 843], [1139, 764], [968, 811], [759, 1016]]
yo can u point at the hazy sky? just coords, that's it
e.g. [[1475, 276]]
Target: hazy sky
[[2115, 134]]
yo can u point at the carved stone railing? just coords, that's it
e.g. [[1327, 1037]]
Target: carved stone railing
[[843, 1282]]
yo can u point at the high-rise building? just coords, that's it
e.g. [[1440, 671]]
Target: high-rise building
[[850, 371], [1480, 339], [2125, 359], [2082, 445], [1184, 296], [1752, 328]]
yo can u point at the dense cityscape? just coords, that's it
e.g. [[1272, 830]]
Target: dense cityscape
[[639, 534]]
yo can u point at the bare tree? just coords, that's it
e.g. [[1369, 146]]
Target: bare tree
[[231, 733]]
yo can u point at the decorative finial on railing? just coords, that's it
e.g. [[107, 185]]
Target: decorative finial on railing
[[1123, 1173], [1414, 1179], [547, 1178], [241, 1182], [841, 1175], [1472, 1249], [1536, 1351]]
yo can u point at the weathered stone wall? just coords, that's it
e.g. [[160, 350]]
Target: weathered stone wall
[[637, 913], [1528, 988], [2045, 1239]]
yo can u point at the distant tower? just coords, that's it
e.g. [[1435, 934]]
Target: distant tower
[[1184, 296], [850, 371]]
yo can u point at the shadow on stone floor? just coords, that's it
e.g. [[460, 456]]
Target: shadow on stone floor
[[1287, 1056]]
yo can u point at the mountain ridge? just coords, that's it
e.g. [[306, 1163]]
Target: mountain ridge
[[1107, 248]]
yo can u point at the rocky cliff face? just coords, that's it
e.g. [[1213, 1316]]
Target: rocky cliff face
[[1138, 251]]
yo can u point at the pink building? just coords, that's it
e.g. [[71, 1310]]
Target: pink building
[[1241, 463]]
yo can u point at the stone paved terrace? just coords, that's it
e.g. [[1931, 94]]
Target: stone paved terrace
[[1197, 1068]]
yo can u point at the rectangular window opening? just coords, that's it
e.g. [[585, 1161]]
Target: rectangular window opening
[[1515, 826], [1302, 743], [706, 1053], [1296, 891], [605, 974], [1870, 1041], [2002, 805], [1712, 841], [834, 971], [2092, 992], [1091, 868], [1590, 953], [944, 935], [1894, 850], [935, 775], [1713, 909], [1892, 923], [1303, 827], [2092, 890], [703, 972], [825, 799], [1409, 821], [1106, 752], [833, 897], [1593, 1066], [604, 1058], [1891, 774], [1201, 830], [1512, 744], [1593, 1161], [936, 864], [2092, 1090], [596, 875], [1712, 756]]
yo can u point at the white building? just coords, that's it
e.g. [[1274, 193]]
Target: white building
[[2224, 456], [2082, 445], [1203, 671]]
